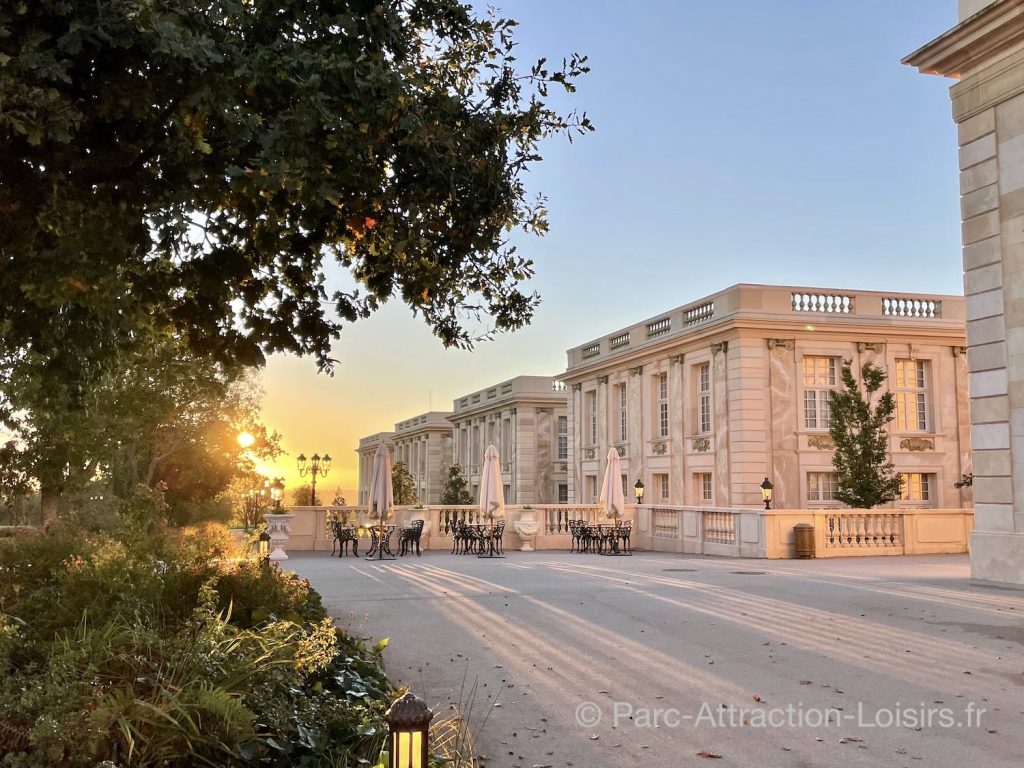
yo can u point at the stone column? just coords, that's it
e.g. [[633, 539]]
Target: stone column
[[720, 422], [783, 418], [986, 51], [680, 479]]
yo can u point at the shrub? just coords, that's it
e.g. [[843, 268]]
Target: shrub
[[147, 646]]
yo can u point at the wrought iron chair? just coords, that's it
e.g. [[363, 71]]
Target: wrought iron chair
[[409, 538], [622, 534], [343, 536], [460, 538], [496, 537], [576, 532]]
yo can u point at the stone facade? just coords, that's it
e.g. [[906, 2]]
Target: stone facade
[[985, 51], [424, 443], [522, 417], [705, 401]]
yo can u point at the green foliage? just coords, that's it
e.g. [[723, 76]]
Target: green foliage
[[145, 647], [302, 495], [181, 175], [402, 485], [456, 489], [865, 475]]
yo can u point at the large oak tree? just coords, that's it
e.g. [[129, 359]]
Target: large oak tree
[[190, 167]]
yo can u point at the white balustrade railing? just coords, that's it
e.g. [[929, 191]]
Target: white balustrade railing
[[666, 523], [719, 526], [736, 532], [859, 529]]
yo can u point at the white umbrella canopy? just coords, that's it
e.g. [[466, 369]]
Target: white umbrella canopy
[[492, 492], [381, 497], [612, 498]]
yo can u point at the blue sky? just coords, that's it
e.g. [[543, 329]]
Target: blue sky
[[778, 141]]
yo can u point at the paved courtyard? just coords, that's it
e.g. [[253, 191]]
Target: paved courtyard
[[666, 660]]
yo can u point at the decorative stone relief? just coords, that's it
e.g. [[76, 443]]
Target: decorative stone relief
[[721, 346], [637, 370], [822, 442], [917, 444], [562, 467], [658, 449], [958, 351], [588, 453], [789, 344], [621, 450], [701, 444], [677, 359], [602, 379], [577, 387], [870, 346]]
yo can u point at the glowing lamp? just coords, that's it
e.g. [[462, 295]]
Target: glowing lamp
[[638, 489], [277, 491], [408, 720], [766, 493]]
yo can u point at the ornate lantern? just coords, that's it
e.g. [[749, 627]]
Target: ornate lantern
[[766, 493], [408, 719], [638, 489]]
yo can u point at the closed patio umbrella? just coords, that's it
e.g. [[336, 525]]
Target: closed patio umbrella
[[492, 491], [612, 498], [381, 497]]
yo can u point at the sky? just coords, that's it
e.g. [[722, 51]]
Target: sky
[[757, 141]]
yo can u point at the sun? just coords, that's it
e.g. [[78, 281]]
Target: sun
[[246, 440]]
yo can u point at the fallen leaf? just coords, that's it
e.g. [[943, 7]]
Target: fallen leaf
[[848, 739], [708, 754], [806, 682], [756, 697]]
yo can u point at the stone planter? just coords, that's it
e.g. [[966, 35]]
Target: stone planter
[[277, 527], [526, 526]]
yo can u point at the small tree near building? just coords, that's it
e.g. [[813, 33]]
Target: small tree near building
[[403, 485], [865, 475], [456, 490]]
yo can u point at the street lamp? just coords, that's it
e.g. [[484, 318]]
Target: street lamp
[[638, 489], [317, 465], [766, 493], [408, 719], [277, 492]]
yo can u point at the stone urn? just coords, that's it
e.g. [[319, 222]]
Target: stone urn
[[277, 527], [526, 527]]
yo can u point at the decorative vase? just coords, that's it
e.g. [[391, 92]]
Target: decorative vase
[[277, 527], [526, 527]]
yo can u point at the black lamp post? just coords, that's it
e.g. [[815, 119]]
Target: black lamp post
[[317, 465], [766, 493], [264, 547], [408, 720], [638, 489]]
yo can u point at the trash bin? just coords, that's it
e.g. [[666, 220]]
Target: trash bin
[[803, 540]]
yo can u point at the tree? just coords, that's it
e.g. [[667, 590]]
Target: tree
[[403, 485], [456, 490], [339, 498], [865, 475], [302, 495], [191, 169]]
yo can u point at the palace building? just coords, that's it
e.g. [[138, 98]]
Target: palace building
[[705, 401]]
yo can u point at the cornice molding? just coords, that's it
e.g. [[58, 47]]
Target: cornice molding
[[972, 42]]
